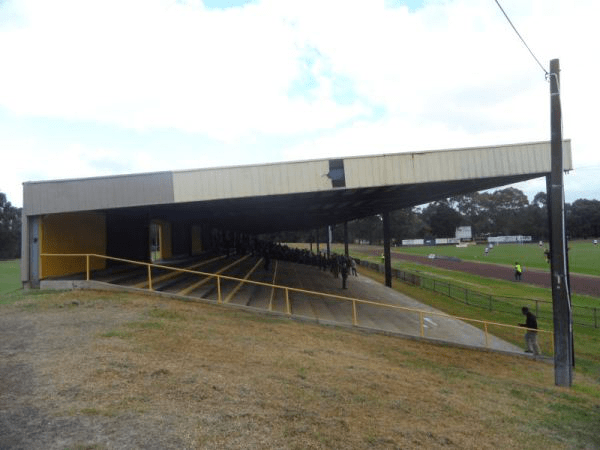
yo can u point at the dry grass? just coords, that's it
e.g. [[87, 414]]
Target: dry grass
[[201, 376]]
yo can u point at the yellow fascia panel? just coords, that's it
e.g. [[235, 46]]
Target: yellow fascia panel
[[72, 233]]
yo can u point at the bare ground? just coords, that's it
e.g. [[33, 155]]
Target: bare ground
[[88, 370]]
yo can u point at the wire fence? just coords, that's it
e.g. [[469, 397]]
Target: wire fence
[[582, 315]]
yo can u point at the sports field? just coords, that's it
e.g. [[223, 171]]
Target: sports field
[[584, 256], [482, 278], [10, 279]]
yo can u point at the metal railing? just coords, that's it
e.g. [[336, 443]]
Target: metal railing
[[582, 315], [503, 331]]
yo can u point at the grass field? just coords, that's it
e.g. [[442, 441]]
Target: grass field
[[10, 280], [584, 257], [586, 339], [134, 371]]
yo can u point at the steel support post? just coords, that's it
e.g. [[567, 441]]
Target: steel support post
[[346, 240], [317, 239]]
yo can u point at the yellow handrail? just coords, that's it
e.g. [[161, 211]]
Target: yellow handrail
[[287, 289]]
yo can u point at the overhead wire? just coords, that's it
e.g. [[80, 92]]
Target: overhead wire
[[522, 40], [588, 167]]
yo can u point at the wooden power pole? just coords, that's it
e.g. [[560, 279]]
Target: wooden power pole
[[561, 295]]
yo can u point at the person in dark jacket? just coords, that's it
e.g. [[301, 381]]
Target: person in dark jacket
[[531, 333]]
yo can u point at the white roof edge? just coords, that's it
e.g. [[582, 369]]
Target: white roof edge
[[101, 177], [374, 155]]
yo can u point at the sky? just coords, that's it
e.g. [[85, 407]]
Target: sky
[[93, 88]]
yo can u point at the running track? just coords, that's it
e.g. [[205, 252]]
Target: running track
[[581, 284]]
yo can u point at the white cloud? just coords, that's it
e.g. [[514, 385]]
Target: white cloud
[[339, 77], [161, 64]]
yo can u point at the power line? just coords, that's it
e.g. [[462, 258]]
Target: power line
[[520, 37], [587, 167]]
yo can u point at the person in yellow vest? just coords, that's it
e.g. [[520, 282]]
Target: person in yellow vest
[[518, 271]]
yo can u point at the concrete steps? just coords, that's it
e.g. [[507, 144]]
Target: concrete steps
[[314, 307]]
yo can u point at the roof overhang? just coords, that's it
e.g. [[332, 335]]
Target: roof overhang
[[298, 195]]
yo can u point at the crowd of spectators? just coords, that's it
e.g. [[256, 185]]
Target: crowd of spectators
[[336, 264]]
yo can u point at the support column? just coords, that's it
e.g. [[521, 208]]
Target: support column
[[317, 238], [24, 251], [386, 249], [346, 252], [328, 241], [549, 211], [34, 251]]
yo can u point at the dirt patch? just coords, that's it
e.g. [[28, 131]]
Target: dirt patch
[[43, 354], [101, 371]]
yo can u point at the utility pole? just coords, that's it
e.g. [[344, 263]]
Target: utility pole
[[561, 295]]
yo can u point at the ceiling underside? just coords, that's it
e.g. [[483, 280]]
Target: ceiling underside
[[311, 210]]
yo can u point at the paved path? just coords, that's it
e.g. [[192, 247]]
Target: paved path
[[581, 284], [405, 319]]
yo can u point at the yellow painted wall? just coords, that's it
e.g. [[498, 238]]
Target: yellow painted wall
[[166, 241], [196, 240], [72, 233]]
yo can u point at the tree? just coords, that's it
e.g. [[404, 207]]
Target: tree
[[583, 219], [535, 218], [506, 207], [10, 229], [408, 224], [442, 219]]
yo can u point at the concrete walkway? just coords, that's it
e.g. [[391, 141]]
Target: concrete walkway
[[436, 325]]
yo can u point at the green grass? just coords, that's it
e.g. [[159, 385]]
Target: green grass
[[489, 285], [584, 257], [10, 272], [586, 339]]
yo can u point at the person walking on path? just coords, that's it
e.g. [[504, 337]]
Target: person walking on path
[[531, 333], [518, 271], [344, 274]]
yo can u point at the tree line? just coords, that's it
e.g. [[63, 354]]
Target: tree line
[[504, 212], [10, 229]]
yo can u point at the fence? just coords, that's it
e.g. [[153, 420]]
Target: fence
[[354, 306], [582, 315]]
